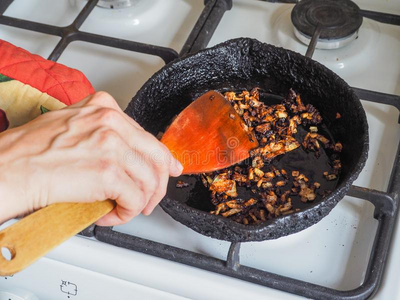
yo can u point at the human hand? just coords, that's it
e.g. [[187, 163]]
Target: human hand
[[89, 151]]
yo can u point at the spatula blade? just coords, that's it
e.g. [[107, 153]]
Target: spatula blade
[[208, 135]]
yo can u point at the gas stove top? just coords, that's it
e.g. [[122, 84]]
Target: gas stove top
[[118, 50]]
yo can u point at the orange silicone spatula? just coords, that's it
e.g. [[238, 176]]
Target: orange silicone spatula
[[206, 136]]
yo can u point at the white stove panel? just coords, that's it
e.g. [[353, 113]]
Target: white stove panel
[[333, 252], [52, 280]]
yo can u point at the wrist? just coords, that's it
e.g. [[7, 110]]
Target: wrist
[[11, 200], [8, 207]]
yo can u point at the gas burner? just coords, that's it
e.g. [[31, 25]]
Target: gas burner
[[115, 3], [339, 21]]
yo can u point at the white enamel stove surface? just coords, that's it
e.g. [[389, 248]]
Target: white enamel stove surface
[[333, 252]]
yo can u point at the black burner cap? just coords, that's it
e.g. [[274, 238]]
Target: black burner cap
[[339, 18]]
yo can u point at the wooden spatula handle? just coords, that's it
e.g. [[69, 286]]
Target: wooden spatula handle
[[35, 235]]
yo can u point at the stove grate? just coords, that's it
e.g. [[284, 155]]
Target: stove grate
[[386, 203]]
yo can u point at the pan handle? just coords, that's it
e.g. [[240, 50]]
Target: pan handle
[[37, 234]]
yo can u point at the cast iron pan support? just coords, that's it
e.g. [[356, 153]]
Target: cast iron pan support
[[72, 33], [206, 25], [4, 4], [314, 40], [381, 17], [233, 259]]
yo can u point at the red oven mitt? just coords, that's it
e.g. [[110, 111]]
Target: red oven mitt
[[30, 84]]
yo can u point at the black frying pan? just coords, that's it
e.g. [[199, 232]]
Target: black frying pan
[[243, 64]]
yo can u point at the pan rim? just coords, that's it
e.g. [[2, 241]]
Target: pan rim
[[337, 194]]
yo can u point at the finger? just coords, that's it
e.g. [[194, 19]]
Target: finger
[[162, 188], [142, 170], [156, 152], [159, 193], [139, 140], [130, 202], [116, 217], [144, 173], [175, 167]]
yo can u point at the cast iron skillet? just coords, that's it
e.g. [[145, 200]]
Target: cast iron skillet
[[247, 63]]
